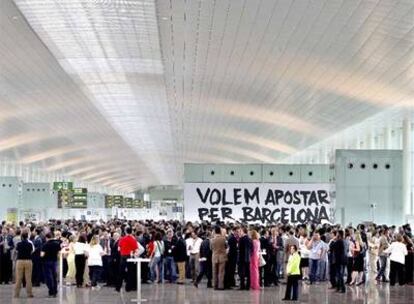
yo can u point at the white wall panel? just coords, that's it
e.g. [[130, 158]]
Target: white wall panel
[[369, 193]]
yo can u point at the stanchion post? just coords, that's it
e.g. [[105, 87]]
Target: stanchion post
[[139, 298]]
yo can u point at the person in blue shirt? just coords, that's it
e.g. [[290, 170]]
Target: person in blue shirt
[[315, 247]]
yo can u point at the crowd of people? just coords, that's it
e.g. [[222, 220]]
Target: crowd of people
[[227, 255]]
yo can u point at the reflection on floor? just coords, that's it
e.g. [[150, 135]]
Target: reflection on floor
[[188, 294]]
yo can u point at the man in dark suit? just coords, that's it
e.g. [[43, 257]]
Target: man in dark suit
[[143, 239], [180, 257], [340, 257], [115, 260], [206, 263], [331, 259], [233, 243], [37, 273], [266, 275], [245, 248], [106, 242]]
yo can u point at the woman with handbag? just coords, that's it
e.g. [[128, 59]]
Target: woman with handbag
[[156, 263], [356, 248]]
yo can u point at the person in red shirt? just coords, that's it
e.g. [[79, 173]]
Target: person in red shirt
[[127, 246]]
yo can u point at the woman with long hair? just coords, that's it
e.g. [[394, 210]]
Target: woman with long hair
[[356, 248], [373, 246], [70, 258], [80, 249], [254, 260], [350, 259], [157, 258], [95, 253]]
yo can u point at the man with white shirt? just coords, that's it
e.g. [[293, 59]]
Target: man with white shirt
[[193, 249]]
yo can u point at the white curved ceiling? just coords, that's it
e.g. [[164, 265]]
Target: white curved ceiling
[[123, 92]]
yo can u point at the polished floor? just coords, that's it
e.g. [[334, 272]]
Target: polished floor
[[188, 294]]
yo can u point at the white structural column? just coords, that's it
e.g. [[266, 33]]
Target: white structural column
[[369, 141], [407, 167], [387, 138]]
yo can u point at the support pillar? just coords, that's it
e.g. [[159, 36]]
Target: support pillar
[[407, 168], [387, 138]]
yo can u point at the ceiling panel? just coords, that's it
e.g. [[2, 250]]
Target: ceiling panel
[[124, 92]]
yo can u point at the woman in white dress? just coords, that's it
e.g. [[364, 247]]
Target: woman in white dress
[[70, 258], [373, 246]]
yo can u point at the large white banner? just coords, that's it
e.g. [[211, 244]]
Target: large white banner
[[258, 203]]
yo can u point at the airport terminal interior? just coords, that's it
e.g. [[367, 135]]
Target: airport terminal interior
[[207, 151]]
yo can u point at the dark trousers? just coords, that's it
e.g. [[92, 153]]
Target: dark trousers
[[37, 273], [50, 275], [229, 280], [80, 261], [106, 269], [396, 270], [292, 287], [65, 267], [244, 273], [313, 270], [95, 274], [126, 272], [270, 271], [409, 268], [113, 272], [188, 269], [349, 266], [332, 275], [144, 272], [6, 267], [205, 270], [340, 283]]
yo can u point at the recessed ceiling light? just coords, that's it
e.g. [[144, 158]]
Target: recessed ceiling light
[[15, 18], [164, 18]]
